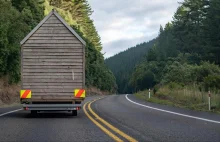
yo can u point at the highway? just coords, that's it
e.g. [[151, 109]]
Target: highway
[[111, 118]]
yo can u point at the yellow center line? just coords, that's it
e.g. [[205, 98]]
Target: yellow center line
[[101, 127], [110, 126]]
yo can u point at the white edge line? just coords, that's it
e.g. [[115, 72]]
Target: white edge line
[[10, 112], [213, 121]]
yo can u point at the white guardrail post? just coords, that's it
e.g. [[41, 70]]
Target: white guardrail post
[[209, 100], [149, 93]]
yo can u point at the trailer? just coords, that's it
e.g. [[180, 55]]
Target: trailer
[[52, 67]]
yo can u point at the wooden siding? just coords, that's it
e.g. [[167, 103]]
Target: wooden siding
[[52, 67], [51, 54], [50, 58], [53, 41], [55, 45], [52, 35], [51, 73], [51, 70], [56, 57], [53, 84]]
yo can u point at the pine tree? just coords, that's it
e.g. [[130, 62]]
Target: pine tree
[[212, 32]]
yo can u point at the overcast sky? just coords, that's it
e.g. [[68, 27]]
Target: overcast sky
[[125, 23]]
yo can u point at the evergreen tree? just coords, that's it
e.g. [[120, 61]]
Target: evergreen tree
[[80, 12], [179, 52], [212, 32], [123, 64], [17, 18]]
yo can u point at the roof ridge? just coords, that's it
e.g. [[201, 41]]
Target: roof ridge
[[53, 11]]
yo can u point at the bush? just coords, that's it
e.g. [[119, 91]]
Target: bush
[[156, 88], [186, 74], [179, 73], [212, 82], [174, 85], [204, 70]]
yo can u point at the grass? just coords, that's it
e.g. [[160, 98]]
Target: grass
[[183, 98], [10, 105], [9, 93]]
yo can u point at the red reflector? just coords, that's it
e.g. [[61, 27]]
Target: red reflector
[[26, 108], [77, 108]]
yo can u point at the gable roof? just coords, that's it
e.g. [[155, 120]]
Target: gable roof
[[45, 19]]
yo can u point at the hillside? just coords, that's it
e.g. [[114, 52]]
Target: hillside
[[123, 64], [183, 65]]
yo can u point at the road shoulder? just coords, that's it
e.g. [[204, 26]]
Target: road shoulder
[[206, 115]]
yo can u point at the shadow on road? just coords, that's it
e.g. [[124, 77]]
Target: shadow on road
[[39, 115], [50, 115]]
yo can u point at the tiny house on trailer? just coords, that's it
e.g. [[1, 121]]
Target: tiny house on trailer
[[52, 67]]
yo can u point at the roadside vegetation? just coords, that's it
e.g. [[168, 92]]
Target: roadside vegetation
[[182, 97], [183, 64]]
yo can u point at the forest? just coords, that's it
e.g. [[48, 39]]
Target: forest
[[123, 64], [19, 17], [187, 50], [184, 58]]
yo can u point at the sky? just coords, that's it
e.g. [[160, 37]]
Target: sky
[[122, 24]]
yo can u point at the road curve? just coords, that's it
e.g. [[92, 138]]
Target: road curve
[[118, 117], [146, 124], [21, 127]]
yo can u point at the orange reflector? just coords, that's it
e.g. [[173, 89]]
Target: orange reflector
[[25, 94], [80, 93]]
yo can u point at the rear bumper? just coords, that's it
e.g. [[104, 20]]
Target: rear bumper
[[58, 107]]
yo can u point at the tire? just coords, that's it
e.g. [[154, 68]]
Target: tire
[[74, 112], [33, 112]]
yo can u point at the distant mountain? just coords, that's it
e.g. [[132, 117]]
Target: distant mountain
[[122, 64]]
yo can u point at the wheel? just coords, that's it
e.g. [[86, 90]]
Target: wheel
[[33, 112], [74, 113]]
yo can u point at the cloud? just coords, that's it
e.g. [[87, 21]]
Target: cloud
[[125, 23]]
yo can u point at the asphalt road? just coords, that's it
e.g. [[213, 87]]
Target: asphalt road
[[21, 126], [139, 122]]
